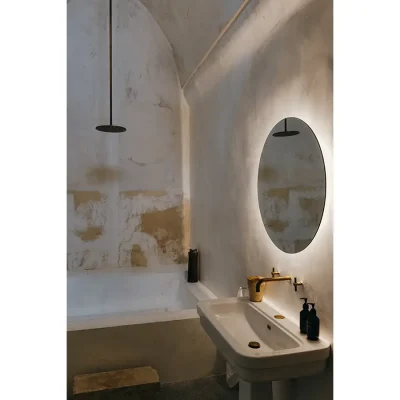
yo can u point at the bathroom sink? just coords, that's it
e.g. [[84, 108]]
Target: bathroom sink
[[284, 353]]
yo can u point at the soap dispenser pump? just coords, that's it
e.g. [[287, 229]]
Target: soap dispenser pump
[[312, 324], [304, 316]]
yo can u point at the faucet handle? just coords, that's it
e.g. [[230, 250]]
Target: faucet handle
[[273, 273], [295, 284]]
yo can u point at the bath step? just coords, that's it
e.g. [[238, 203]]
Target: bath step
[[113, 384]]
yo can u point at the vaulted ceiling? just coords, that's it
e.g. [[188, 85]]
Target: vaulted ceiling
[[191, 27]]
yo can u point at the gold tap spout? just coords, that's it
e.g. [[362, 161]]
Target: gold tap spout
[[279, 278]]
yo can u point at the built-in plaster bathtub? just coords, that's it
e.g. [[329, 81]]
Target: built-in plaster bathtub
[[123, 318]]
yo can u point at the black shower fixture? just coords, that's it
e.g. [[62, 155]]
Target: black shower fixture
[[110, 128], [285, 133]]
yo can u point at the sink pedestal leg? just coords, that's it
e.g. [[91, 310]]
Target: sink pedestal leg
[[255, 391], [285, 390]]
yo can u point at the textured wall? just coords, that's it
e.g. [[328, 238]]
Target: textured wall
[[275, 63], [291, 186], [127, 193], [191, 27]]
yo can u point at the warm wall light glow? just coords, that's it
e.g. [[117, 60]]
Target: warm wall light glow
[[275, 64]]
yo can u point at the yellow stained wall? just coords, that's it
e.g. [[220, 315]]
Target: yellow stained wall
[[127, 196]]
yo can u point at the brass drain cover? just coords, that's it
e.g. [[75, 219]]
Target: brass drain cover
[[254, 345], [279, 316]]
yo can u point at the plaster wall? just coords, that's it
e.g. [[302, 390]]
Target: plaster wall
[[128, 198], [273, 63]]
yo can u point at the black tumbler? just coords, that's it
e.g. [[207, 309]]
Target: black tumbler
[[193, 265]]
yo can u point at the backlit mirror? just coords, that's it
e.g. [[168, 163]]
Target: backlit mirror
[[291, 185]]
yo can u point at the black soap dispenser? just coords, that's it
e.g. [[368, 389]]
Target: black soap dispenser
[[312, 324], [304, 316]]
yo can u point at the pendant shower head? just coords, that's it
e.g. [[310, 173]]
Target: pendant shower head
[[285, 133], [110, 128]]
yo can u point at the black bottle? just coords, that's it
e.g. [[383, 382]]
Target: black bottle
[[304, 316], [312, 324], [193, 265]]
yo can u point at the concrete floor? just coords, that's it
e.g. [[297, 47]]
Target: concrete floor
[[211, 388]]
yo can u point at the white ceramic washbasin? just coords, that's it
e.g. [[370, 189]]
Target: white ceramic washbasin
[[284, 352]]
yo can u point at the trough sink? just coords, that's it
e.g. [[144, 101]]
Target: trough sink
[[284, 353]]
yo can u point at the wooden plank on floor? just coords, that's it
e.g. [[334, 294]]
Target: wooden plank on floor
[[133, 379]]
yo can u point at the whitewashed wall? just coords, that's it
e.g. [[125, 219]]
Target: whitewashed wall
[[275, 62], [127, 194]]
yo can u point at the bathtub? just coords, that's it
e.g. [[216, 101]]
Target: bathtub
[[122, 318], [109, 298]]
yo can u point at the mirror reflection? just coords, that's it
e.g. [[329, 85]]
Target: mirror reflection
[[291, 185]]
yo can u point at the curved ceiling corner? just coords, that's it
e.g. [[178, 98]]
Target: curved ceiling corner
[[191, 27]]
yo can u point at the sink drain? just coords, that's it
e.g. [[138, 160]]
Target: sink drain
[[254, 345]]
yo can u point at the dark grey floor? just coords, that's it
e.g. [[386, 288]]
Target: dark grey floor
[[212, 388]]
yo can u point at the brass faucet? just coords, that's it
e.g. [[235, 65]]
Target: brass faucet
[[279, 278]]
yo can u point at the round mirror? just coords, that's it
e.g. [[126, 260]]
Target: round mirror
[[291, 185]]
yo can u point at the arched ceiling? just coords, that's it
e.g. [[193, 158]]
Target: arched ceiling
[[191, 26]]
